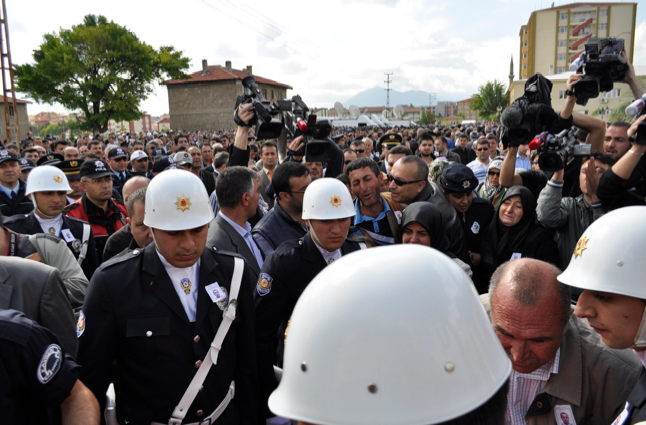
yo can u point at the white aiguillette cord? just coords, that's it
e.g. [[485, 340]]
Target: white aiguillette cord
[[212, 356]]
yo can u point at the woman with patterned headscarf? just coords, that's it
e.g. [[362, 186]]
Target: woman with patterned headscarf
[[491, 189]]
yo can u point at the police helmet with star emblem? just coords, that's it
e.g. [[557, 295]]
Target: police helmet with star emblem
[[327, 199], [47, 178]]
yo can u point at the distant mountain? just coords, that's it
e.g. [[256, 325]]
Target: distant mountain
[[376, 96]]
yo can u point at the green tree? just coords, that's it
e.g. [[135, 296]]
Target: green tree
[[99, 68], [490, 95], [53, 129]]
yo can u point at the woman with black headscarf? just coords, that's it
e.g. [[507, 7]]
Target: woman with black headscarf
[[421, 224], [514, 233]]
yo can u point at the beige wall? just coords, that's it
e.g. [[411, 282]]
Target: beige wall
[[620, 19], [545, 43], [23, 117]]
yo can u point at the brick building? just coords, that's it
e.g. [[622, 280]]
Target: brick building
[[23, 118], [464, 109], [206, 100]]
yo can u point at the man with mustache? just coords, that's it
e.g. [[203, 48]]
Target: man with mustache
[[13, 199], [557, 359]]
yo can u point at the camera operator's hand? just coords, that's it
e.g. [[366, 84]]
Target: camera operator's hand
[[570, 101], [631, 78], [296, 144], [573, 79], [591, 179], [245, 112], [632, 131]]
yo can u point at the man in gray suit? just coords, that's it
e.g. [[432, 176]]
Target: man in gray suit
[[237, 191], [37, 290]]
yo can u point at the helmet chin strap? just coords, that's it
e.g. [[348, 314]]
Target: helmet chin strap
[[316, 239], [640, 337], [33, 199]]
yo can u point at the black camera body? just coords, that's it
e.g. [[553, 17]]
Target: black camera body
[[293, 116], [560, 149], [603, 65]]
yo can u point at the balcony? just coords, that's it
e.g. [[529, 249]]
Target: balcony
[[579, 29], [579, 42]]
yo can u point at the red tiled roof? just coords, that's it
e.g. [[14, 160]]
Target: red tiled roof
[[165, 121], [573, 5], [220, 73], [10, 100]]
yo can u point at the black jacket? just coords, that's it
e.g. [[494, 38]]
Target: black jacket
[[637, 401], [467, 155], [209, 181], [433, 193], [118, 185], [131, 295], [21, 204], [275, 228], [118, 242], [27, 224], [288, 271]]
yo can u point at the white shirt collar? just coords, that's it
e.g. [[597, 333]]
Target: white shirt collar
[[328, 256]]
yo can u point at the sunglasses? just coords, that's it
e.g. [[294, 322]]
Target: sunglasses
[[359, 151], [347, 162], [493, 173], [400, 182], [482, 149]]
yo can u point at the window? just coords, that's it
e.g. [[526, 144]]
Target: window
[[563, 29], [11, 110], [524, 77], [613, 93], [603, 12], [560, 69], [524, 55], [603, 26], [562, 95], [525, 31], [272, 95], [563, 16], [280, 95], [562, 43], [524, 44], [560, 57], [264, 93], [551, 70], [524, 66], [581, 16]]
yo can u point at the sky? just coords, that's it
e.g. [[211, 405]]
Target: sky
[[327, 51]]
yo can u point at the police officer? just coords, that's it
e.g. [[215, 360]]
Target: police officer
[[118, 161], [37, 374], [154, 312], [327, 211], [12, 188], [388, 345], [459, 183], [47, 188], [608, 264], [384, 145], [72, 169], [105, 214]]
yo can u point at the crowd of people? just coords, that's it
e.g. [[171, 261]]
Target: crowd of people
[[414, 276]]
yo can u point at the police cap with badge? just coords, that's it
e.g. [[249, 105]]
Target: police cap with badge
[[94, 169], [117, 153], [182, 158], [26, 164], [458, 178], [50, 159], [388, 140], [71, 168], [163, 163], [7, 155]]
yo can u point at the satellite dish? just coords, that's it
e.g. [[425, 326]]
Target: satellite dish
[[398, 111], [338, 107], [354, 111]]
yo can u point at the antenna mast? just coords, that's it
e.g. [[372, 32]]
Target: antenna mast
[[387, 88]]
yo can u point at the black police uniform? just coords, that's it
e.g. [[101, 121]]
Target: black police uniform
[[117, 182], [36, 374], [636, 404], [27, 224], [18, 204], [284, 276], [132, 315]]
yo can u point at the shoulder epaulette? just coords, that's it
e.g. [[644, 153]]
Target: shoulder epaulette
[[17, 217], [70, 207], [216, 250], [288, 246], [121, 257], [76, 219]]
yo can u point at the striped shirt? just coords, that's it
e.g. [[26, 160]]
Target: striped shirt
[[524, 387]]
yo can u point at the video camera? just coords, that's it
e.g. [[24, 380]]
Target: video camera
[[603, 65], [293, 115], [557, 151]]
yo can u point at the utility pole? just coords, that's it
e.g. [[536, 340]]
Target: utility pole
[[5, 53], [387, 89]]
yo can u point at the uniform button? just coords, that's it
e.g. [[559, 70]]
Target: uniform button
[[198, 363], [199, 413], [149, 334], [135, 252], [196, 339]]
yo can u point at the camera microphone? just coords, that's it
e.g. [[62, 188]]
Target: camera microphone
[[576, 64], [302, 125], [538, 141], [636, 107]]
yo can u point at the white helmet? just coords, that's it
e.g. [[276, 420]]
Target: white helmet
[[327, 199], [177, 200], [609, 258], [47, 178], [405, 345]]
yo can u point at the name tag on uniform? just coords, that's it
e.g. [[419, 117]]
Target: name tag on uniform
[[564, 415], [515, 256], [216, 293], [67, 235]]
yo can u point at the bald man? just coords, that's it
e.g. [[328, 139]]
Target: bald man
[[560, 365], [123, 238]]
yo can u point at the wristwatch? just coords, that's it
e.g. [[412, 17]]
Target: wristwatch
[[569, 92]]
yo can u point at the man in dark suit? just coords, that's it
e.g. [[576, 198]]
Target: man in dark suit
[[237, 190], [269, 157], [156, 311], [327, 210], [118, 162]]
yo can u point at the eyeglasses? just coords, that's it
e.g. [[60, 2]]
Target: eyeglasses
[[482, 149], [400, 182], [493, 173], [358, 150], [347, 162]]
